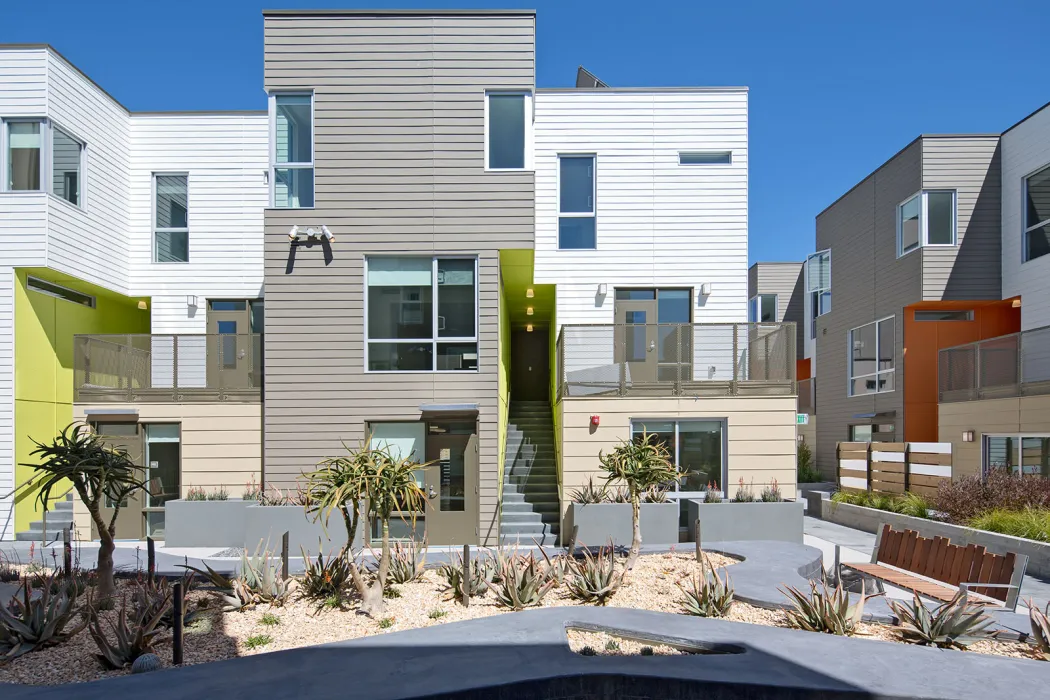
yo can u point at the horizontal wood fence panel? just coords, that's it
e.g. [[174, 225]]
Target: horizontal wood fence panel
[[892, 467], [881, 456]]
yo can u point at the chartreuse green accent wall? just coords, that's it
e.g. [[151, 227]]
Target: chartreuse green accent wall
[[504, 379], [44, 330]]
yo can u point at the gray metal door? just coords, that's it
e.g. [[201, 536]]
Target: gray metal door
[[127, 436], [452, 485], [635, 333], [230, 357]]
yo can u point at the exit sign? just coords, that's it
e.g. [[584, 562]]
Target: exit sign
[[801, 419]]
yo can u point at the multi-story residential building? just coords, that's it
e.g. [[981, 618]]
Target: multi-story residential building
[[117, 222], [516, 277]]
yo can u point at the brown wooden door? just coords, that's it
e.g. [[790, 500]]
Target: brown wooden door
[[126, 436], [530, 375]]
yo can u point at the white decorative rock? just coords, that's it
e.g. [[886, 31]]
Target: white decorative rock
[[146, 663]]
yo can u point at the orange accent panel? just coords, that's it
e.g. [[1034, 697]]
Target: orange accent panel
[[924, 339], [802, 369]]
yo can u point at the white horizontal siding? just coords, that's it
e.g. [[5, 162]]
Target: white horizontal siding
[[23, 82], [225, 158], [658, 222], [1025, 149], [7, 399]]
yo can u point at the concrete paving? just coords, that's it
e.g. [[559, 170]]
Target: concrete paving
[[526, 654]]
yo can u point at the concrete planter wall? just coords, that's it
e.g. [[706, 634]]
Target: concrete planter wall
[[205, 523], [268, 523], [600, 521], [728, 521], [870, 520]]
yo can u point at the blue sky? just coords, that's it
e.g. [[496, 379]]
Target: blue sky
[[836, 87]]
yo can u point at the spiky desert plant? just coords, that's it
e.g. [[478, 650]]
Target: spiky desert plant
[[1040, 620], [639, 465], [558, 566], [33, 622], [824, 610], [129, 641], [152, 595], [407, 561], [589, 494], [476, 584], [262, 577], [523, 583], [594, 579], [708, 595], [955, 624], [100, 475], [323, 578]]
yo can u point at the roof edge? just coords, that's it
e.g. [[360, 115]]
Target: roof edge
[[397, 12], [609, 90], [1027, 118], [73, 66], [202, 112]]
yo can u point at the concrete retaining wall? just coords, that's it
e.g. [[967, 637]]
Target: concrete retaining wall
[[205, 523], [870, 520], [600, 521], [725, 521]]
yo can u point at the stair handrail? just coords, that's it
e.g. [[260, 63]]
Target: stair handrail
[[16, 489]]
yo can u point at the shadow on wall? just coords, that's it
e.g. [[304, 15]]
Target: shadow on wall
[[972, 277]]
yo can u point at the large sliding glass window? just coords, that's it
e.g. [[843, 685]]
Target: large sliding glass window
[[292, 164], [696, 446], [576, 195], [871, 350], [422, 314], [24, 148], [171, 232], [1037, 214]]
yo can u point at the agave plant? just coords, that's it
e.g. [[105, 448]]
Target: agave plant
[[955, 624], [407, 562], [262, 579], [36, 622], [324, 578], [557, 566], [708, 595], [153, 595], [589, 494], [1040, 620], [476, 584], [595, 579], [130, 641], [523, 582], [824, 610]]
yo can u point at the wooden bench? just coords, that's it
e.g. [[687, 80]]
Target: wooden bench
[[936, 568]]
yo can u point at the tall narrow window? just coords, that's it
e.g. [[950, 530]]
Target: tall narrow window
[[926, 219], [171, 233], [293, 149], [871, 364], [818, 286], [66, 158], [506, 130], [1037, 215], [576, 195], [24, 146]]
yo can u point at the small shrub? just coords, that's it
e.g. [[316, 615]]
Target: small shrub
[[1029, 523], [391, 592], [712, 494], [523, 583], [657, 494], [276, 497], [588, 651], [436, 614], [251, 492], [914, 505], [34, 622], [1040, 620], [386, 623], [743, 494], [955, 624], [707, 595], [322, 577], [407, 562], [595, 579], [453, 575], [131, 636], [270, 620], [647, 651], [824, 610], [807, 473], [612, 645], [196, 493], [771, 493], [965, 499], [219, 494], [589, 494], [257, 640], [8, 573], [333, 602]]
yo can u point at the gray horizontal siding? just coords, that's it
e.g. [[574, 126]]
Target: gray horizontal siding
[[787, 282], [399, 169]]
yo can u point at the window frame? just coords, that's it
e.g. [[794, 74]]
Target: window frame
[[815, 294], [153, 218], [81, 170], [924, 228], [677, 494], [271, 101], [757, 301], [1026, 230], [435, 339], [706, 153], [528, 164], [1019, 437], [47, 136], [79, 298], [593, 214], [850, 377], [969, 315]]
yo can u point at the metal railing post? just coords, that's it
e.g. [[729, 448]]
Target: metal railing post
[[622, 390], [736, 360], [1020, 363], [976, 371], [175, 364]]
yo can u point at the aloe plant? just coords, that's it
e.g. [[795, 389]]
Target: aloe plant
[[30, 623], [1040, 620], [407, 561], [589, 494], [824, 610], [955, 624], [476, 584], [708, 595], [323, 578], [154, 595], [594, 579], [129, 641], [523, 583]]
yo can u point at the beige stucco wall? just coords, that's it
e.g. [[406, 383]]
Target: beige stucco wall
[[760, 434], [1027, 414], [221, 445]]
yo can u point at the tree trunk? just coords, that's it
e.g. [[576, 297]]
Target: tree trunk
[[636, 535], [104, 567], [351, 530]]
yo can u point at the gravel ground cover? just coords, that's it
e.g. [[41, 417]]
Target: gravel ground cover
[[214, 635]]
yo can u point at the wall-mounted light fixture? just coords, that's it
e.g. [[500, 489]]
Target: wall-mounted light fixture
[[602, 289], [528, 311], [326, 233], [529, 293], [293, 235], [143, 305], [191, 301], [1016, 303], [967, 436], [528, 328], [705, 289]]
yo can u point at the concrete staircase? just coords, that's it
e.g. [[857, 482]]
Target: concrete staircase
[[58, 519], [531, 510]]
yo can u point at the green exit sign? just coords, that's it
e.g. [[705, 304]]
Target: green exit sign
[[801, 419]]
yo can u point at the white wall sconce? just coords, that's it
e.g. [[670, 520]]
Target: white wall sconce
[[602, 289], [143, 306], [191, 301], [967, 436], [529, 293], [528, 328], [705, 289], [528, 311]]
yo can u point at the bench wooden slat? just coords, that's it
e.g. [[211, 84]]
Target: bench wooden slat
[[907, 548], [945, 573], [974, 574], [942, 554]]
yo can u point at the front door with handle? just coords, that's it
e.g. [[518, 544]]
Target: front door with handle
[[452, 483], [125, 436], [635, 333]]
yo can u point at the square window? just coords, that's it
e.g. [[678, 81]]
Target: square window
[[926, 219], [872, 350]]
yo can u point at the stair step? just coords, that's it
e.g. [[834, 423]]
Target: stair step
[[525, 507]]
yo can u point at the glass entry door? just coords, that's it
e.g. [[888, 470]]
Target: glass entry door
[[125, 436]]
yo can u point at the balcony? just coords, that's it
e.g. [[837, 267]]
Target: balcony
[[167, 368], [1009, 365], [698, 359]]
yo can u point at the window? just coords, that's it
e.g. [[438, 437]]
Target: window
[[422, 314], [705, 158], [54, 290], [695, 445], [763, 309], [1037, 215], [576, 194], [871, 350], [926, 219], [171, 233], [506, 130], [24, 147], [882, 432], [1020, 454], [66, 161], [163, 473], [292, 164], [818, 286], [944, 315]]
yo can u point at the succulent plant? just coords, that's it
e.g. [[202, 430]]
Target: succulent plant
[[656, 494], [589, 494], [743, 494], [453, 575], [155, 595], [594, 579], [407, 562], [130, 641], [824, 610], [323, 578], [1040, 620], [772, 494], [955, 624], [558, 566], [146, 663], [708, 595], [712, 494], [523, 582], [260, 581], [36, 622]]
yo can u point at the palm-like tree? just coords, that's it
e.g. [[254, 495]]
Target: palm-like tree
[[338, 484], [97, 471]]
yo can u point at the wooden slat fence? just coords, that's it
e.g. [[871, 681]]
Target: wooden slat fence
[[894, 467]]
